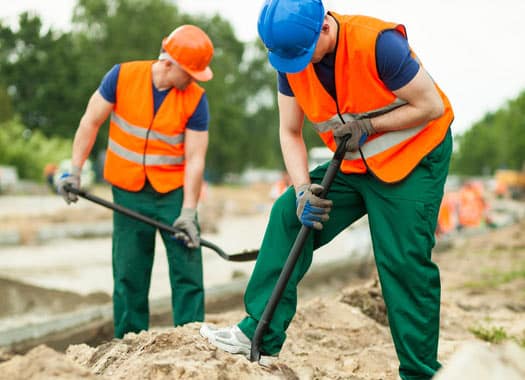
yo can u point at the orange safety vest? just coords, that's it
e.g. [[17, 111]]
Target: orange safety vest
[[142, 145], [390, 156]]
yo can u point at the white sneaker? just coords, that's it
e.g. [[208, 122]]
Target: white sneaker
[[230, 339]]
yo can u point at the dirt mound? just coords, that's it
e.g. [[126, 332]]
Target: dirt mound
[[44, 363], [336, 336], [328, 339], [369, 299]]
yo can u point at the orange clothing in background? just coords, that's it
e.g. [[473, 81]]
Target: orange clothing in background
[[448, 213], [471, 205]]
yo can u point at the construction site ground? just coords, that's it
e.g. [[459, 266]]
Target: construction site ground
[[339, 332]]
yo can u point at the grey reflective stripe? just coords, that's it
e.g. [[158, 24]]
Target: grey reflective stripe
[[335, 120], [143, 132], [148, 159], [379, 144], [384, 142]]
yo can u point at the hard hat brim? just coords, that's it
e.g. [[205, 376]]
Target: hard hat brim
[[201, 76], [290, 65]]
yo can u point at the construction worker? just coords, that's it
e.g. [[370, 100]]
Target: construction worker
[[157, 144], [354, 75]]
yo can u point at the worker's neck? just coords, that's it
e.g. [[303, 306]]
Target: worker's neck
[[158, 77]]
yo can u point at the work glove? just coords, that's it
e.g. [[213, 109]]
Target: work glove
[[312, 210], [359, 130], [72, 179], [189, 229]]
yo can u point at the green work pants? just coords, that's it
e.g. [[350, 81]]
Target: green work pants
[[402, 219], [133, 253]]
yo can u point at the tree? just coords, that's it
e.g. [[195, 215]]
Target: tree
[[496, 141], [39, 70], [50, 75]]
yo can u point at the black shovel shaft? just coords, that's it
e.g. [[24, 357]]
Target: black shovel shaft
[[295, 252], [243, 256]]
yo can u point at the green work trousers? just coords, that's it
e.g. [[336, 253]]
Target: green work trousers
[[133, 253], [402, 219]]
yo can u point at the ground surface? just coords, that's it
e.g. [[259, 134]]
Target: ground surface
[[337, 334]]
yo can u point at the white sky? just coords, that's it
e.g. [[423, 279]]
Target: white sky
[[472, 48]]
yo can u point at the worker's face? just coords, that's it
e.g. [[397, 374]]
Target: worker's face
[[179, 78], [319, 51], [324, 43]]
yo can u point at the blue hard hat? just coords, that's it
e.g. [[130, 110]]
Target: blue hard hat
[[290, 29]]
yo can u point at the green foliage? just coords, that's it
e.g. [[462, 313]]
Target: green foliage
[[492, 334], [39, 69], [496, 335], [50, 76], [6, 108], [29, 151], [492, 278], [496, 141]]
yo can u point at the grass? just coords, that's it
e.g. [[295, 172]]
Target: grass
[[496, 335], [493, 278]]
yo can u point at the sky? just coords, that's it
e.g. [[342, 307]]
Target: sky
[[472, 48]]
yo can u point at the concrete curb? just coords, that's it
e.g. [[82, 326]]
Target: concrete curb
[[94, 325]]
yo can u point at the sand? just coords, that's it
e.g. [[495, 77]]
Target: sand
[[339, 334]]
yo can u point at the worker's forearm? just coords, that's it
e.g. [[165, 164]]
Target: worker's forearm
[[407, 116], [423, 104], [193, 177], [83, 142], [295, 157]]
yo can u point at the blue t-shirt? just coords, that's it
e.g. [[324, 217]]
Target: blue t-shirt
[[197, 122], [395, 65]]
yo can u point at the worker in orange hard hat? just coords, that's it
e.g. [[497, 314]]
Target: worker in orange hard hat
[[158, 138]]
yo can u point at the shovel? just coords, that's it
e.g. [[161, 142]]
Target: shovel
[[295, 252], [242, 256]]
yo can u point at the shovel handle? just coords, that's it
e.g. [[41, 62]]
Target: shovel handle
[[295, 252], [242, 256]]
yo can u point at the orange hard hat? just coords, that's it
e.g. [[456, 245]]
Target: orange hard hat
[[192, 49]]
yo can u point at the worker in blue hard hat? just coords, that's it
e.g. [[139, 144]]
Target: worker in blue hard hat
[[357, 76]]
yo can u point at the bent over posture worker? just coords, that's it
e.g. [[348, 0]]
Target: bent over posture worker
[[354, 75], [158, 139]]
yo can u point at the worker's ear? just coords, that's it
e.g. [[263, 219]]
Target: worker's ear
[[326, 25]]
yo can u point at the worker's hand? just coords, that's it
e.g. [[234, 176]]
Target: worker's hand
[[312, 210], [189, 229], [72, 179], [359, 130]]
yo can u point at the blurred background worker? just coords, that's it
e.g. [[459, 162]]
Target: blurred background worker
[[155, 159], [354, 75]]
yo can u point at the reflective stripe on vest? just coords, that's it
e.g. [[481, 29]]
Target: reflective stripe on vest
[[145, 145], [360, 93], [373, 146], [143, 132], [146, 159]]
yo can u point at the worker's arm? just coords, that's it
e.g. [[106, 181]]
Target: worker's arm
[[312, 211], [423, 105], [295, 157], [195, 147], [97, 111]]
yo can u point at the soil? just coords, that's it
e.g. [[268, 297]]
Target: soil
[[339, 333]]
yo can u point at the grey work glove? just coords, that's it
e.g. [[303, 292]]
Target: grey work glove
[[312, 210], [360, 130], [189, 229], [72, 179]]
